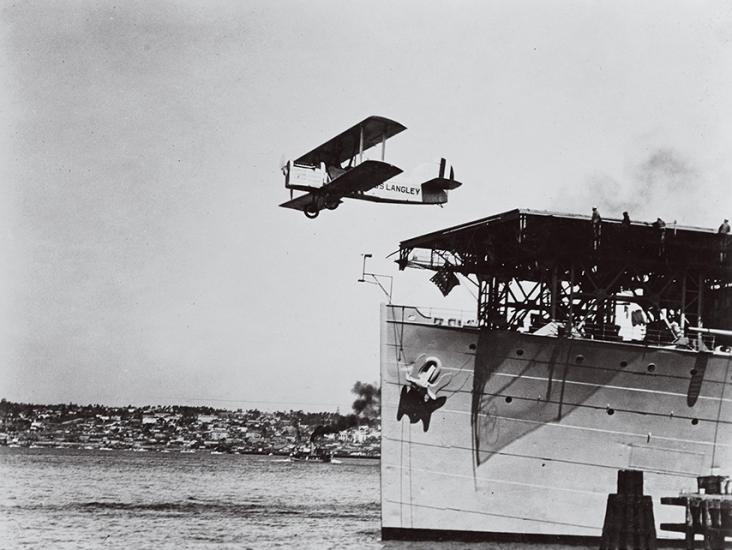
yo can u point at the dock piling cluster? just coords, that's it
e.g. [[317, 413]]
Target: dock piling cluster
[[629, 523], [708, 512]]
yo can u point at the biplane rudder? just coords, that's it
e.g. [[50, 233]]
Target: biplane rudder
[[434, 191]]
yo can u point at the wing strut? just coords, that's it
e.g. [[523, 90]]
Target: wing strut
[[360, 144]]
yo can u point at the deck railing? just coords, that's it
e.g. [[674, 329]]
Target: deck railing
[[647, 335]]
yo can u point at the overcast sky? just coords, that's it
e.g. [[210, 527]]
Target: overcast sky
[[144, 258]]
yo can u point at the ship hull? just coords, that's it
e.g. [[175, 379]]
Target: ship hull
[[521, 436]]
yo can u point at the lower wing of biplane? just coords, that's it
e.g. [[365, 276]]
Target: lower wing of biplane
[[352, 184]]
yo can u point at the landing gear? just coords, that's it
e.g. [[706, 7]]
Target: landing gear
[[331, 203], [311, 211], [321, 201]]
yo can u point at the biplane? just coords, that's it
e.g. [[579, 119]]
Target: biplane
[[337, 170]]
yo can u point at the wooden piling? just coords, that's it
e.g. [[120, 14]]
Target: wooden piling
[[708, 512], [629, 522]]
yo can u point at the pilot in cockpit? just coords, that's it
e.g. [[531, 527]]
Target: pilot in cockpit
[[334, 171]]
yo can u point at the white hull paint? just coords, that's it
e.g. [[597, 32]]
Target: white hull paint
[[533, 429]]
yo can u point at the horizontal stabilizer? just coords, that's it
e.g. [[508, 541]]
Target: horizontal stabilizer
[[347, 144], [440, 184]]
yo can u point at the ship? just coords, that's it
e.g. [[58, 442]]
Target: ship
[[311, 454], [594, 347]]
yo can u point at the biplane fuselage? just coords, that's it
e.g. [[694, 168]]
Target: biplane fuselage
[[395, 190], [336, 170]]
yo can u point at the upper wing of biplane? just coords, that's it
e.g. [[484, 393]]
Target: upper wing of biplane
[[367, 133], [363, 177]]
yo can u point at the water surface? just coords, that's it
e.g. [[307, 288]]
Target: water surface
[[84, 499]]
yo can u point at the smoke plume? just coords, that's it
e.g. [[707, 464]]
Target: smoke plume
[[366, 408], [341, 423], [368, 400], [662, 183]]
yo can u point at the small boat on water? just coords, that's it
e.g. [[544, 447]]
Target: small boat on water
[[314, 454], [310, 451]]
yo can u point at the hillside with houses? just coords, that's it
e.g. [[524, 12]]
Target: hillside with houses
[[191, 429]]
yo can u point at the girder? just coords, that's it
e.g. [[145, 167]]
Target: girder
[[535, 268]]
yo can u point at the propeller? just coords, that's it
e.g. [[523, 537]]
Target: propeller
[[283, 164], [285, 168]]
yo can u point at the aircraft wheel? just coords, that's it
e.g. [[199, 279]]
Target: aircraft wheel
[[331, 204], [311, 212]]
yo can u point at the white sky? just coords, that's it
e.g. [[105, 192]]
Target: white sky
[[145, 259]]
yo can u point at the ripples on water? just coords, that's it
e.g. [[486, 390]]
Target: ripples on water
[[79, 499], [91, 499]]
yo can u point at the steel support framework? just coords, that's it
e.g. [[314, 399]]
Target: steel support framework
[[533, 269]]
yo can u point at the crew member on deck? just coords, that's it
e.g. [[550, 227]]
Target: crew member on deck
[[596, 228], [660, 225], [624, 231], [723, 240]]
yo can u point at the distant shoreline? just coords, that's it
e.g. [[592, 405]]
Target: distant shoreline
[[44, 445], [172, 429]]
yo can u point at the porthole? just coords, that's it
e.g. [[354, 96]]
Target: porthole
[[519, 352], [651, 367], [623, 364], [472, 347], [579, 358], [610, 411], [509, 399], [694, 421], [693, 372]]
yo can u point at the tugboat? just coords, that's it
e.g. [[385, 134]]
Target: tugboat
[[312, 454], [309, 452]]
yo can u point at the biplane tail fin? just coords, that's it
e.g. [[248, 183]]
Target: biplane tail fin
[[435, 190]]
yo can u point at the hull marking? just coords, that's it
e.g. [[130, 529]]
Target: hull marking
[[610, 386], [600, 494], [613, 467], [643, 436], [493, 514]]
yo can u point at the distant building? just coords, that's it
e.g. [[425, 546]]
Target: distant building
[[149, 419]]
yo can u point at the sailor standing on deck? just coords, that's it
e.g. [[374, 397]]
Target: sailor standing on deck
[[660, 226], [723, 240], [624, 230], [596, 228]]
